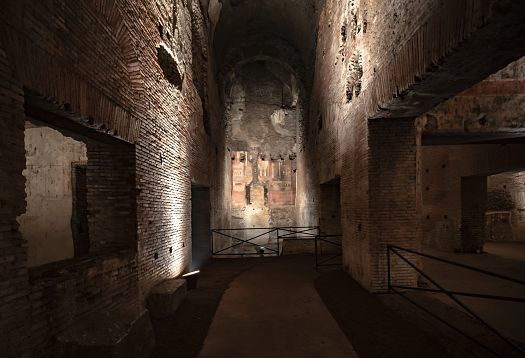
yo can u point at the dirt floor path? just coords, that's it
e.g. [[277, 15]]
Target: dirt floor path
[[273, 310], [281, 307]]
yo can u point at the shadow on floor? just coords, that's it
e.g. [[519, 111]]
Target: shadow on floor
[[386, 326], [376, 325], [183, 334]]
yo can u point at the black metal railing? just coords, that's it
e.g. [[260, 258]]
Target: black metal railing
[[324, 246], [402, 289], [257, 241]]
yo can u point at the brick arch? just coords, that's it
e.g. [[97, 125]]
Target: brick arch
[[234, 66], [265, 49]]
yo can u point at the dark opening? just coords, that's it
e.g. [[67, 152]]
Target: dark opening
[[169, 67], [330, 208], [473, 203], [93, 195], [79, 218], [200, 226]]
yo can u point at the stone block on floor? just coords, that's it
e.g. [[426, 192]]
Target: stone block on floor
[[120, 333], [166, 297]]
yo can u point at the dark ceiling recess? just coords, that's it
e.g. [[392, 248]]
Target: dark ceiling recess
[[267, 28]]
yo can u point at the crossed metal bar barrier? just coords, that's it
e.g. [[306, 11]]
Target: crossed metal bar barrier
[[327, 261], [280, 233], [396, 250]]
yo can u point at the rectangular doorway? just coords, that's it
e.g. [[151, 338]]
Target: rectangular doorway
[[200, 226], [330, 208]]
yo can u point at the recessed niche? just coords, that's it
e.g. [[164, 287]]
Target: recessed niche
[[169, 67]]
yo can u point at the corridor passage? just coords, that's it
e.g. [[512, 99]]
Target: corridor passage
[[273, 310]]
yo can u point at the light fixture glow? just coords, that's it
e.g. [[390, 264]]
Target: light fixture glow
[[191, 273]]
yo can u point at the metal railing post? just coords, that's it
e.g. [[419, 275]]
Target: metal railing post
[[389, 277], [212, 242], [452, 294], [316, 260], [278, 247]]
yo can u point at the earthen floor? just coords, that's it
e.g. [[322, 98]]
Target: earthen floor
[[273, 310], [281, 307]]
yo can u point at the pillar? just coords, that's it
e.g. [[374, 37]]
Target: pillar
[[393, 149]]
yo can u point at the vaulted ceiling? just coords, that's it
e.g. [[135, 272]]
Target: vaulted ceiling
[[283, 30]]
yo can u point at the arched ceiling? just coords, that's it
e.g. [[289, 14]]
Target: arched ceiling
[[272, 28]]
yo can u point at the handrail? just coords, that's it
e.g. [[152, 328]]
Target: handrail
[[467, 267], [327, 261], [266, 228], [451, 294], [242, 241], [291, 232]]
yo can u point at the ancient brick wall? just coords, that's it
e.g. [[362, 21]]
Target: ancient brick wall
[[111, 213], [442, 168], [393, 197], [491, 105], [98, 60], [506, 195], [263, 113], [15, 308], [496, 102], [84, 285], [372, 60]]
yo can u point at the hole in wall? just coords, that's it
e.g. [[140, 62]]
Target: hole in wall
[[169, 67], [482, 119], [65, 211], [56, 213], [355, 73]]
